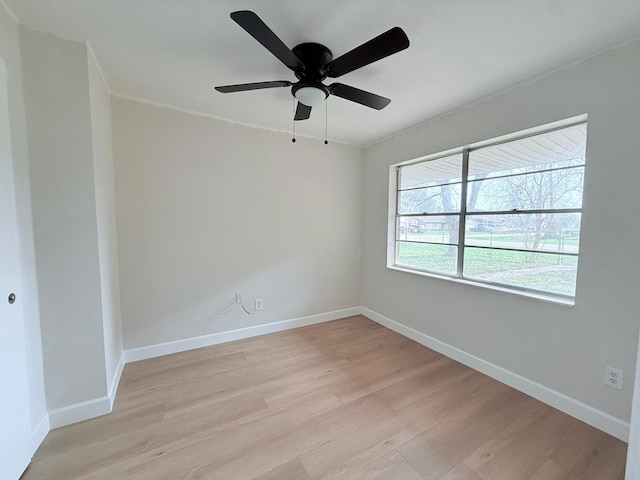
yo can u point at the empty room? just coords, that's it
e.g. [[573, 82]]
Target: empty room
[[319, 240]]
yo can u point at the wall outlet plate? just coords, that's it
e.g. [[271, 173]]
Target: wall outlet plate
[[613, 377], [257, 304]]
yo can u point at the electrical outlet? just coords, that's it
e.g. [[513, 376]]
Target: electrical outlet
[[257, 304], [613, 377], [239, 297]]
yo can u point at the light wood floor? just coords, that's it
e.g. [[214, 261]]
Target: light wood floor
[[343, 400]]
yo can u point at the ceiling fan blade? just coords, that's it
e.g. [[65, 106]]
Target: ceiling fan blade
[[302, 112], [242, 87], [362, 97], [259, 30], [388, 43]]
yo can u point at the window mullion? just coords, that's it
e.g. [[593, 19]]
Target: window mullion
[[463, 211], [522, 212], [429, 186], [397, 195], [532, 172]]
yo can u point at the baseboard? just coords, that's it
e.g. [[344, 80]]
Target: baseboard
[[39, 433], [89, 409], [594, 417], [103, 405], [151, 351], [113, 388], [100, 406], [79, 412]]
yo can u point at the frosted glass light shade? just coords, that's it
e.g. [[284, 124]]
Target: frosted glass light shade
[[310, 96]]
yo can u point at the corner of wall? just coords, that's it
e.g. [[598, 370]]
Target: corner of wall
[[113, 388], [103, 169], [39, 432]]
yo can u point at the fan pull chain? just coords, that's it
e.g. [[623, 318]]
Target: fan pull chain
[[326, 115], [293, 122]]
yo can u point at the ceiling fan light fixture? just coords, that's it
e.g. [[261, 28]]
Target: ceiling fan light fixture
[[311, 96]]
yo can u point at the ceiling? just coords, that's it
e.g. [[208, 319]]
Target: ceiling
[[173, 52]]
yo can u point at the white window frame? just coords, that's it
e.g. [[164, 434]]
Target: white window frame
[[458, 277]]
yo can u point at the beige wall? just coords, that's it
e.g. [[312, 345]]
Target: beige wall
[[64, 217], [562, 348], [207, 208]]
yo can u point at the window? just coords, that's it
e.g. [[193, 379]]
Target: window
[[506, 214]]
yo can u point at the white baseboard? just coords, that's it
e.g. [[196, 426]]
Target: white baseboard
[[103, 405], [594, 417], [100, 406], [79, 412], [151, 351], [113, 389], [38, 433]]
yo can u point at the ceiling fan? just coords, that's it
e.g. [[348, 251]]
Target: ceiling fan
[[312, 63]]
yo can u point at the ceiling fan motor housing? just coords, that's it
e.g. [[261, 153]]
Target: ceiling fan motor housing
[[314, 57]]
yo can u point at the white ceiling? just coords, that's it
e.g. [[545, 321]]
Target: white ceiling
[[174, 52]]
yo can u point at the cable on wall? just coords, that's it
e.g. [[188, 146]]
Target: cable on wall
[[227, 307]]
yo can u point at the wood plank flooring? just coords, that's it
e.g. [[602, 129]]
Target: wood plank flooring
[[347, 399]]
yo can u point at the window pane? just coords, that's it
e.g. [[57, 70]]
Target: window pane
[[424, 256], [545, 272], [532, 191], [431, 172], [441, 199], [441, 229], [553, 149], [523, 212], [545, 232]]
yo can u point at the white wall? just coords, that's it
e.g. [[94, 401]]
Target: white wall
[[106, 219], [64, 215], [207, 208], [560, 347], [633, 452], [10, 53]]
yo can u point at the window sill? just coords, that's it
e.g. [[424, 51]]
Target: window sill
[[568, 302]]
